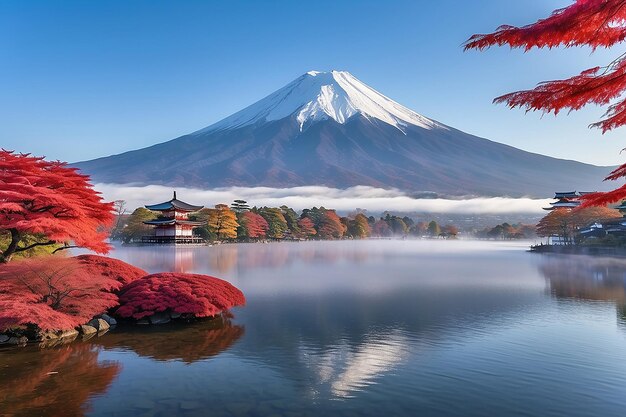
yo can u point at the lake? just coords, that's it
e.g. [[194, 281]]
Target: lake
[[354, 328]]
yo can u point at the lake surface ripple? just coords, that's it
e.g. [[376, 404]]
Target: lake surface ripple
[[363, 328]]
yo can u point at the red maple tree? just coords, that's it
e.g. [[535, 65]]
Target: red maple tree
[[49, 201], [199, 295], [53, 293], [307, 227], [254, 224], [593, 23]]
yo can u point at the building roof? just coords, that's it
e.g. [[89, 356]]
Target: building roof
[[568, 194], [174, 203], [171, 222]]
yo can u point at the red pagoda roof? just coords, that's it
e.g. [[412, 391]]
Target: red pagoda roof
[[174, 204]]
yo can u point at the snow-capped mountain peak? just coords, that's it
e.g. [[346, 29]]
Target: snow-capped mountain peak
[[317, 95]]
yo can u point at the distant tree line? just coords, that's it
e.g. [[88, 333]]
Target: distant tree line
[[506, 231], [240, 222]]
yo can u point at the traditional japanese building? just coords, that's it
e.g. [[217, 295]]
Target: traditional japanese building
[[173, 225], [568, 200]]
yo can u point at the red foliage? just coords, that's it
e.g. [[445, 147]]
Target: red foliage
[[54, 382], [331, 226], [592, 23], [111, 268], [381, 229], [200, 295], [254, 224], [307, 227], [39, 197], [53, 293]]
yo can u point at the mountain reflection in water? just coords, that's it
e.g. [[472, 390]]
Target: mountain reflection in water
[[371, 328]]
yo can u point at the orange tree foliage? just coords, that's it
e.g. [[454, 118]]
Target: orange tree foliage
[[330, 226], [166, 343], [200, 295], [593, 23], [253, 224], [54, 382], [221, 221], [49, 199], [564, 222], [53, 293]]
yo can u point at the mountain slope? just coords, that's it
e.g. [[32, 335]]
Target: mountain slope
[[331, 129]]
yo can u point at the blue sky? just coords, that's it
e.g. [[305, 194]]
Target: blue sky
[[83, 79]]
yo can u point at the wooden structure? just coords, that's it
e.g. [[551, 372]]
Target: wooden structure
[[173, 225], [568, 200]]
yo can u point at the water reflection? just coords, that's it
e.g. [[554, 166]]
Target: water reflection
[[345, 368], [54, 382], [588, 278], [183, 342], [584, 277]]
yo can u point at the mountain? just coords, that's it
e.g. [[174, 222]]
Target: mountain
[[329, 128]]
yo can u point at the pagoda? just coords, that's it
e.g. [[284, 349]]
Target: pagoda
[[568, 200], [173, 224]]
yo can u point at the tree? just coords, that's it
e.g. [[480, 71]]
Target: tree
[[276, 222], [450, 230], [307, 228], [51, 203], [112, 268], [330, 226], [381, 229], [135, 227], [221, 221], [53, 293], [194, 294], [593, 23], [433, 229], [254, 226], [240, 206], [359, 227], [292, 220], [119, 209], [565, 223]]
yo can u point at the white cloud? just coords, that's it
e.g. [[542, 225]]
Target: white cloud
[[370, 198]]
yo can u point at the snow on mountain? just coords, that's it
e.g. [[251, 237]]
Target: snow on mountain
[[315, 96]]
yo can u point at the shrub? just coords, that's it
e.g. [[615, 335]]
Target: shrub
[[200, 295], [111, 268], [53, 293]]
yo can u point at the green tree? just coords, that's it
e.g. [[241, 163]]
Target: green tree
[[292, 220], [276, 222], [433, 229], [135, 228]]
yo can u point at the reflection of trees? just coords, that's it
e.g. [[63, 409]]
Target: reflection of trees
[[586, 277], [186, 342], [53, 382]]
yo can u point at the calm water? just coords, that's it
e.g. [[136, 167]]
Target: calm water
[[374, 328]]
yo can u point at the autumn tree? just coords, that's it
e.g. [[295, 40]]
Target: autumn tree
[[330, 226], [381, 229], [119, 209], [254, 226], [450, 230], [556, 223], [220, 221], [358, 227], [591, 23], [307, 228], [276, 222], [135, 227], [53, 293], [49, 203]]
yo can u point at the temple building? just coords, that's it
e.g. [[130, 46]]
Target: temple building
[[567, 200], [173, 224]]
